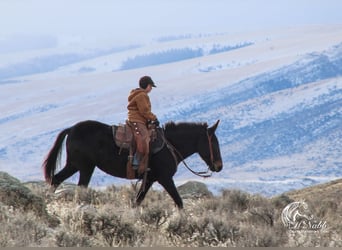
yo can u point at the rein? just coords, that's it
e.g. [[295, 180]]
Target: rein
[[174, 151]]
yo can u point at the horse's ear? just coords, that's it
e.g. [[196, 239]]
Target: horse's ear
[[214, 127]]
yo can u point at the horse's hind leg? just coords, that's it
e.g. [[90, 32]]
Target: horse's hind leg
[[85, 175], [62, 175]]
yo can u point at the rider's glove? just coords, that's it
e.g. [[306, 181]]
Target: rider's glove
[[156, 122]]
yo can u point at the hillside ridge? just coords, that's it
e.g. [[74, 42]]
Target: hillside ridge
[[327, 189]]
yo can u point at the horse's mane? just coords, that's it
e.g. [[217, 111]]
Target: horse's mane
[[185, 126]]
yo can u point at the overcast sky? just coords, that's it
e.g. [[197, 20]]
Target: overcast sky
[[135, 20]]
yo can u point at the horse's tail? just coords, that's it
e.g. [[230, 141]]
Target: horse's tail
[[53, 158]]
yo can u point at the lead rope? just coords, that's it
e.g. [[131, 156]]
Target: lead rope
[[174, 151]]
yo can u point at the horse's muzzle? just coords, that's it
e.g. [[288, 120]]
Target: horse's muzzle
[[217, 166]]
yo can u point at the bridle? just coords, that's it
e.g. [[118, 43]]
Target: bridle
[[174, 151], [210, 148]]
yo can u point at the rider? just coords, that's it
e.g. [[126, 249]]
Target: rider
[[140, 117]]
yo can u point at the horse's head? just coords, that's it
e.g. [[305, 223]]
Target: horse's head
[[209, 149]]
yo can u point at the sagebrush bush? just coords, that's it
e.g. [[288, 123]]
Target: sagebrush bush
[[21, 229], [15, 194], [71, 239], [115, 230], [235, 200], [155, 216]]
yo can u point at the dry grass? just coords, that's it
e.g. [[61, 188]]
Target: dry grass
[[88, 217]]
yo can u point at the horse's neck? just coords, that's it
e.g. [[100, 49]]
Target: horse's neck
[[184, 143]]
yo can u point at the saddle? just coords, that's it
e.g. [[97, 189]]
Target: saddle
[[124, 139], [123, 136]]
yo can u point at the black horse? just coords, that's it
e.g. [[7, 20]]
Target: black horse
[[90, 144]]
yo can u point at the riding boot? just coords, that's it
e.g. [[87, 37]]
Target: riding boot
[[136, 160]]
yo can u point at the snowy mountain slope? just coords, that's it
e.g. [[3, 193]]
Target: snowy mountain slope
[[265, 45], [278, 99]]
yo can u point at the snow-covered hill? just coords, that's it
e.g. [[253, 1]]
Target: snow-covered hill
[[277, 93]]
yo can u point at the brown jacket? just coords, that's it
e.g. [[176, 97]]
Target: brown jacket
[[139, 107]]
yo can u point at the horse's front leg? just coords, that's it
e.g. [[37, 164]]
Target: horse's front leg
[[143, 191], [170, 187]]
